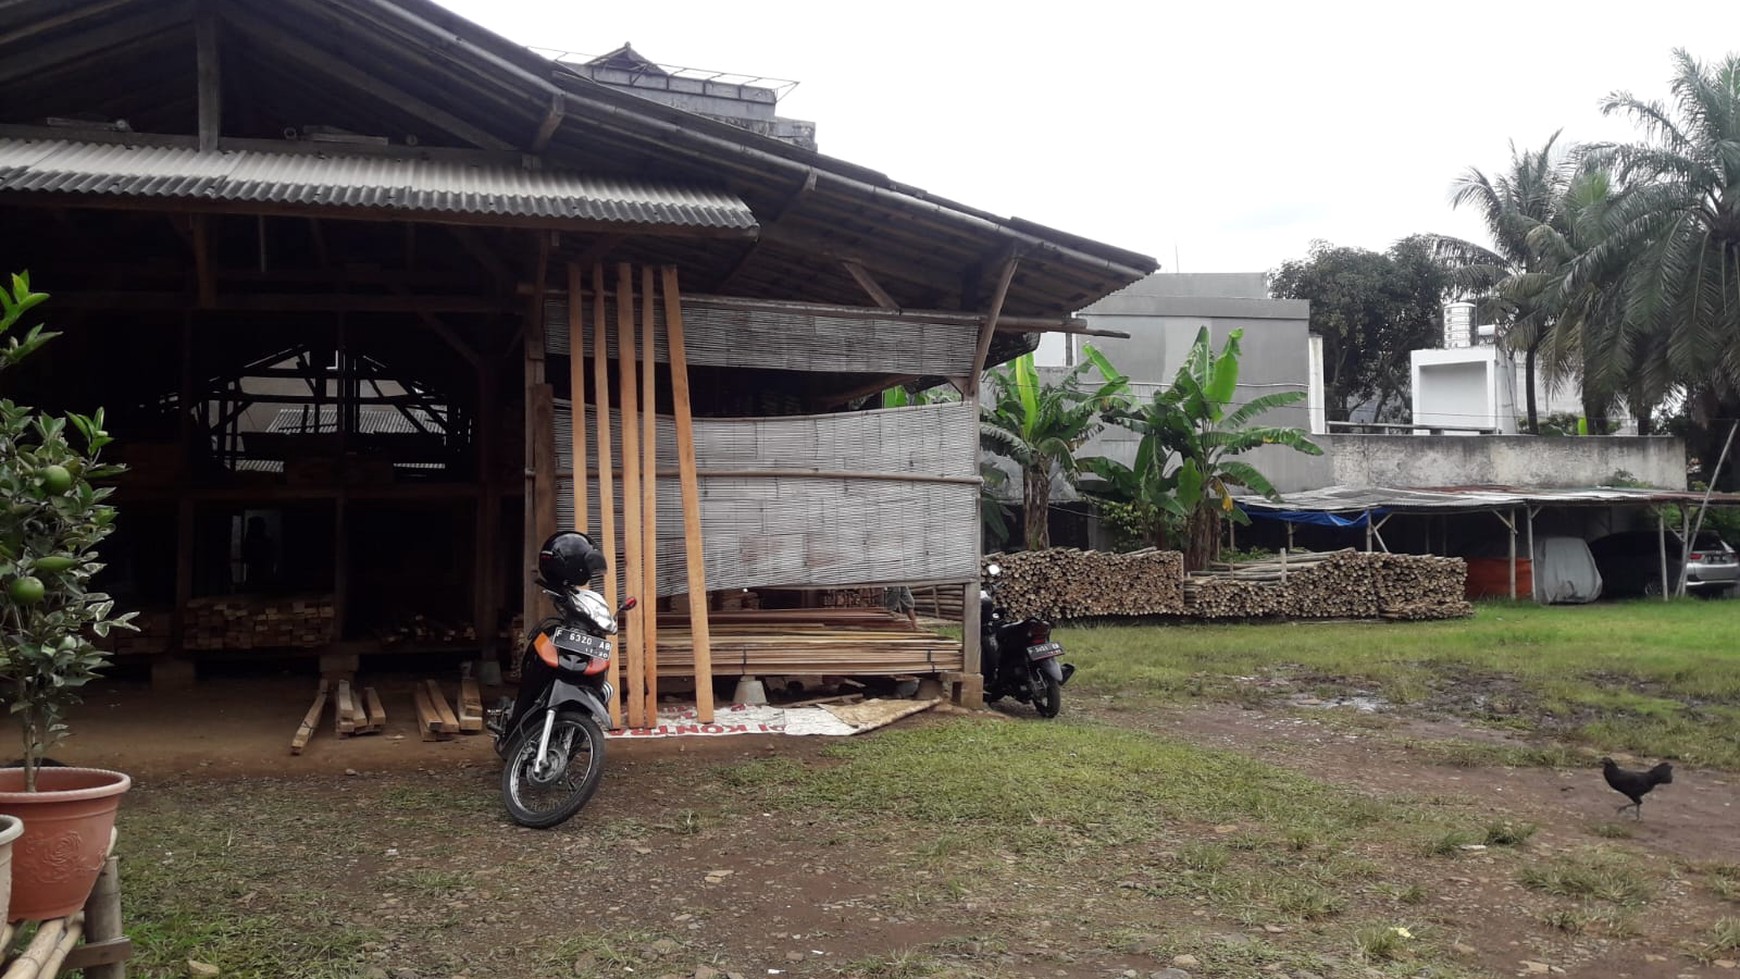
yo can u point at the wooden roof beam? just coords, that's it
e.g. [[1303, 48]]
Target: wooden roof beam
[[278, 40], [868, 283], [547, 128], [85, 44], [989, 329], [211, 111]]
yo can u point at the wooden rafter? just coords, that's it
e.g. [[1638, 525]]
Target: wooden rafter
[[210, 79], [804, 189], [868, 283], [551, 121], [989, 328], [83, 45], [340, 70]]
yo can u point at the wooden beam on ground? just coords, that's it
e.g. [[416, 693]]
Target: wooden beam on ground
[[989, 327], [344, 717], [309, 720], [211, 113], [470, 706], [649, 499], [349, 73], [443, 709], [693, 542], [577, 398], [429, 723], [606, 483], [868, 283], [631, 500], [377, 711], [551, 122]]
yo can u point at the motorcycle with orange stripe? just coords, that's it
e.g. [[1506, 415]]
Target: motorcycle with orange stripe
[[552, 735]]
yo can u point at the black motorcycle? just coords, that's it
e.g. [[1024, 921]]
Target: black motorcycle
[[552, 735], [1017, 656]]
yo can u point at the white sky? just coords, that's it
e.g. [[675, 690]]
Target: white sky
[[1226, 134]]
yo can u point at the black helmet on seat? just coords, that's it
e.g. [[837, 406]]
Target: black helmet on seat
[[569, 560]]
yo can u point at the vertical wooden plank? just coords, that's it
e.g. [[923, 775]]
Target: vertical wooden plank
[[483, 564], [533, 360], [210, 84], [577, 398], [606, 483], [692, 539], [184, 513], [649, 505], [631, 516]]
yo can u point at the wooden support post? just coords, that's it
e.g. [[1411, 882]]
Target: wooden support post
[[484, 566], [209, 79], [694, 544], [577, 398], [649, 500], [103, 919], [970, 625], [606, 484], [202, 270], [1511, 526], [631, 515], [533, 356], [988, 328]]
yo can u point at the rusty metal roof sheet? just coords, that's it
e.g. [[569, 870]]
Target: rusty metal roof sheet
[[418, 185]]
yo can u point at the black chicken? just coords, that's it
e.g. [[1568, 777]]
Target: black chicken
[[1635, 785]]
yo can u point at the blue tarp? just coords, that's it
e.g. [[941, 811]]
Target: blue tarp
[[1318, 519]]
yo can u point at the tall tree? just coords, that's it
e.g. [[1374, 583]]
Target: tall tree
[[1371, 309], [1039, 426], [1511, 205], [1677, 219], [1186, 461]]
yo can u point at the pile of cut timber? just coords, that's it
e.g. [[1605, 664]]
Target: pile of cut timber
[[832, 642], [1064, 583], [851, 598], [436, 718], [253, 622], [421, 630], [1344, 584]]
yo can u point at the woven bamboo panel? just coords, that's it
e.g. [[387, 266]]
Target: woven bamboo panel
[[722, 333], [802, 529]]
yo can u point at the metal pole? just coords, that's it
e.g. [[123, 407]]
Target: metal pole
[[1661, 533], [1704, 504], [1368, 530], [1534, 572], [1512, 526]]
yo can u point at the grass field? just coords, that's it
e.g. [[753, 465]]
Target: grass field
[[1653, 678]]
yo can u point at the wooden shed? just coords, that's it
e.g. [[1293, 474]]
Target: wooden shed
[[338, 268]]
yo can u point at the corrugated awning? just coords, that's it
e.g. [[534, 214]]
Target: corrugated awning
[[431, 187], [1467, 499]]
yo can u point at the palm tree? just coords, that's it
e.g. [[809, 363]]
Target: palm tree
[[1511, 206], [1676, 220], [1039, 426], [1191, 421]]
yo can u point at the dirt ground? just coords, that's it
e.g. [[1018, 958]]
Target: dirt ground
[[775, 894]]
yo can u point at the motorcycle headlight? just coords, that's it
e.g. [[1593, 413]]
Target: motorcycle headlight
[[590, 605]]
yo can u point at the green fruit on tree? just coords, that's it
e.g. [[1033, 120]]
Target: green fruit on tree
[[56, 480], [54, 564], [27, 590]]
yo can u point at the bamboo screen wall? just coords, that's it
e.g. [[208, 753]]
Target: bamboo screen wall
[[725, 332], [907, 512]]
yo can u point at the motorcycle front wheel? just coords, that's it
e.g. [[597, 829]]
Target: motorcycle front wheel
[[1047, 695], [541, 798]]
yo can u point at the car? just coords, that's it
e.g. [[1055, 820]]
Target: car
[[1630, 563]]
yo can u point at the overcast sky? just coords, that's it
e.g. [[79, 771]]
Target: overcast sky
[[1216, 137]]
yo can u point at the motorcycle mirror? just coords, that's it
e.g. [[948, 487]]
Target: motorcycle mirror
[[630, 604]]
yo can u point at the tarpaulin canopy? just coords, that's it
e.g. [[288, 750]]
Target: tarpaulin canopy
[[1318, 518]]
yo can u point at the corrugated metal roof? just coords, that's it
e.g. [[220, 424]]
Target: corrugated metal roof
[[433, 186], [1355, 499], [370, 421]]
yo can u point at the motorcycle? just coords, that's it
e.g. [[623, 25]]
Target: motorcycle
[[552, 735], [1018, 657]]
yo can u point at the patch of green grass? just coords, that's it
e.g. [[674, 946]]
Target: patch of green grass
[[1378, 945], [1507, 833], [911, 963], [1413, 894], [1592, 874], [424, 882], [1587, 919], [1449, 843], [596, 955], [1721, 941], [1612, 830], [1653, 678], [1203, 857]]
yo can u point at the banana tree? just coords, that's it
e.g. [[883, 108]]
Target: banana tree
[[1039, 426], [1185, 468]]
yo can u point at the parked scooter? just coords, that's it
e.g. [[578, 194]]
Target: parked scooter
[[1017, 656], [552, 735]]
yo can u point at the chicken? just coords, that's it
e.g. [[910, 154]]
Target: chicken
[[1635, 785]]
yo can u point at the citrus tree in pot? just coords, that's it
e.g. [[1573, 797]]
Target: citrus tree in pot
[[52, 519]]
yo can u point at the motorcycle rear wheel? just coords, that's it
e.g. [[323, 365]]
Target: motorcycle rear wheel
[[1047, 696], [543, 803]]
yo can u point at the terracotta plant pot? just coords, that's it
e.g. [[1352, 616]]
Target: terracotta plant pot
[[67, 824], [10, 828]]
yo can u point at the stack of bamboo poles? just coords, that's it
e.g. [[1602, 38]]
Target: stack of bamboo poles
[[1343, 584], [637, 665], [1064, 583]]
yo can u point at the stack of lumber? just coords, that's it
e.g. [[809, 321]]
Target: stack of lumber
[[851, 598], [939, 603], [1343, 584], [830, 642], [1064, 583], [253, 622], [438, 719], [421, 630]]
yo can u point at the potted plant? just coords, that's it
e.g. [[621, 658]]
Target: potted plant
[[51, 520]]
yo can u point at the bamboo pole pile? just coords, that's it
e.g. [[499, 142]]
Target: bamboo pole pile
[[1343, 584], [1065, 583]]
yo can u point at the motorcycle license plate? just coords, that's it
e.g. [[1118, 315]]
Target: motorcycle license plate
[[576, 641], [1044, 650]]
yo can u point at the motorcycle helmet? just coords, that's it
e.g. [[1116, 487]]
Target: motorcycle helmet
[[569, 560]]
